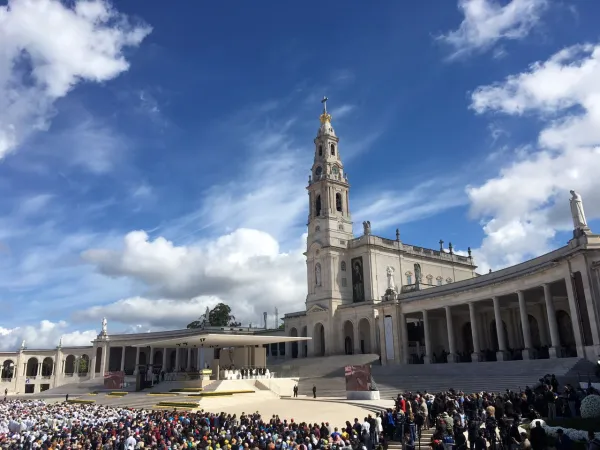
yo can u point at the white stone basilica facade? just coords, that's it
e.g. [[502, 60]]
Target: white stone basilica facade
[[411, 304]]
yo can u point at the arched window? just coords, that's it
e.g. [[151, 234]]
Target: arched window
[[332, 149], [343, 266], [317, 228], [320, 150], [408, 277], [341, 227], [338, 202], [318, 206]]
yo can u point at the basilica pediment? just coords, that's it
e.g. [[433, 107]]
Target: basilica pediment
[[317, 309]]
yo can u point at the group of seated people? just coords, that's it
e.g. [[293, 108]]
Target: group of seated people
[[479, 421], [246, 373]]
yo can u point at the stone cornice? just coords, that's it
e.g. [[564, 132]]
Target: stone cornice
[[534, 265]]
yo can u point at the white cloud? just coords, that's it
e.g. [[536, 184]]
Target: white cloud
[[527, 203], [393, 208], [342, 111], [488, 21], [244, 269], [43, 336], [47, 49]]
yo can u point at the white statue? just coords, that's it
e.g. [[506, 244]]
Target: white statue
[[104, 323], [367, 227], [318, 274], [23, 344], [390, 277], [579, 222]]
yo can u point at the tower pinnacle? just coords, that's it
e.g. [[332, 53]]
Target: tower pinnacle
[[325, 117]]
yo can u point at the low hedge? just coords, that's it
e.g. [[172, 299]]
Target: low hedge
[[81, 402], [221, 393], [187, 390], [177, 404]]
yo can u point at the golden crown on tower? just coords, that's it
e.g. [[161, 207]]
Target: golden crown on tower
[[325, 117]]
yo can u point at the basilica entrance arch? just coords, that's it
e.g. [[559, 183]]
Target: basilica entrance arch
[[304, 344], [319, 339], [294, 333], [348, 337], [364, 336]]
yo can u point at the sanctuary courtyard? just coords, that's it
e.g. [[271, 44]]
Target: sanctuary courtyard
[[394, 302]]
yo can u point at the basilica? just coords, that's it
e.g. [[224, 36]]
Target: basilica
[[409, 304]]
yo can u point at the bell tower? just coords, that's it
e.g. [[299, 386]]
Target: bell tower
[[329, 220]]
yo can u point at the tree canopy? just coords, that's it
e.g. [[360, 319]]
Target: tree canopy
[[219, 316]]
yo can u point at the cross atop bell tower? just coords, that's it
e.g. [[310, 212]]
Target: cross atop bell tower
[[328, 188]]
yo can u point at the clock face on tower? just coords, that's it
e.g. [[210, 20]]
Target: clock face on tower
[[318, 171]]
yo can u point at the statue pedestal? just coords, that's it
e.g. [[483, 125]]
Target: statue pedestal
[[362, 395]]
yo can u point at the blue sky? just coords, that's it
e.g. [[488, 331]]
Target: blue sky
[[153, 160]]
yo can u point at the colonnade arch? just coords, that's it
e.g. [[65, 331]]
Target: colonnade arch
[[31, 369], [7, 369], [70, 364], [47, 367], [83, 364], [98, 364]]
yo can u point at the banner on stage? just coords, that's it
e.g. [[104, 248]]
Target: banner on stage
[[358, 378], [114, 380]]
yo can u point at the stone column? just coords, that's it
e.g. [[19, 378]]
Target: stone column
[[189, 359], [356, 339], [527, 350], [164, 361], [104, 359], [123, 358], [382, 342], [92, 366], [136, 370], [39, 371], [554, 349], [404, 336], [373, 337], [451, 341], [177, 359], [151, 357], [574, 313], [201, 358], [501, 354], [588, 303], [427, 358], [476, 355]]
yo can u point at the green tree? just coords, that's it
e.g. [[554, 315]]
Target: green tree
[[219, 316], [83, 365]]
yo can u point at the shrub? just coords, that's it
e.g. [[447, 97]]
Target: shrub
[[590, 407]]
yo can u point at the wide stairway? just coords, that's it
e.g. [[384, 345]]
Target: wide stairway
[[468, 377]]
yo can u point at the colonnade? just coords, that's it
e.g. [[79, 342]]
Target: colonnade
[[575, 306], [165, 351]]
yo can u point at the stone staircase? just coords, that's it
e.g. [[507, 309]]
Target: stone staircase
[[468, 377]]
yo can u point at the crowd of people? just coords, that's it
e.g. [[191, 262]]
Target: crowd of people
[[458, 421]]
